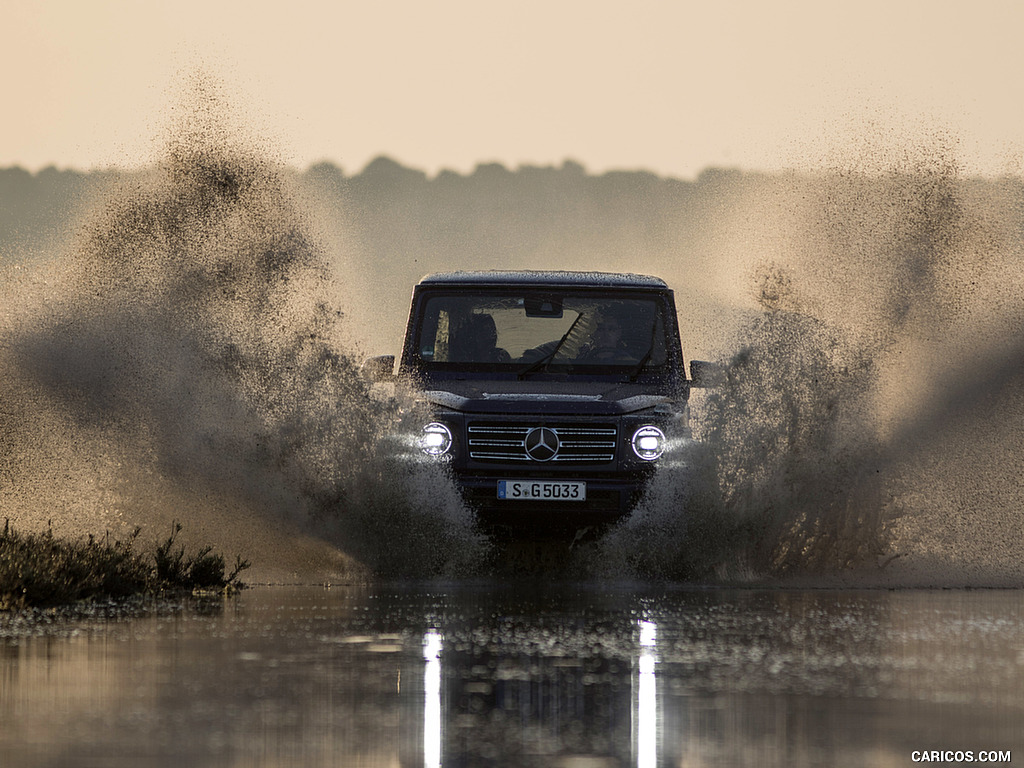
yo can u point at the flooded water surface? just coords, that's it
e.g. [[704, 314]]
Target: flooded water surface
[[523, 674]]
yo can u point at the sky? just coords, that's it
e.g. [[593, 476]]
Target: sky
[[670, 87]]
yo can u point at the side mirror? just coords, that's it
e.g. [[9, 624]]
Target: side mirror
[[704, 374], [379, 369]]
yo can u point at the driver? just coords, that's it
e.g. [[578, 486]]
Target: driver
[[476, 341], [606, 343]]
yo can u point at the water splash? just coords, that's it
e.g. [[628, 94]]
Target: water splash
[[190, 348], [870, 424]]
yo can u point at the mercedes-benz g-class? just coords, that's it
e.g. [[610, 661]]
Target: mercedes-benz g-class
[[554, 395]]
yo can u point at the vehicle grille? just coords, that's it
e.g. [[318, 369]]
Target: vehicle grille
[[578, 443]]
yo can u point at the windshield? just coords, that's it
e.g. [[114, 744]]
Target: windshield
[[584, 332]]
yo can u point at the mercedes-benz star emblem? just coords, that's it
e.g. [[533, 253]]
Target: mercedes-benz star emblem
[[541, 444]]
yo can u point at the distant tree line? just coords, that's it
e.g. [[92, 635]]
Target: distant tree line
[[536, 216], [532, 216], [37, 209]]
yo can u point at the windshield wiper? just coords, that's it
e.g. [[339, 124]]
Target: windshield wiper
[[647, 355], [546, 360]]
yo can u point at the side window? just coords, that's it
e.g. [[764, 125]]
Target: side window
[[434, 336], [441, 347]]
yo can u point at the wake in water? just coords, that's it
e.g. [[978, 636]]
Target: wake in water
[[187, 352]]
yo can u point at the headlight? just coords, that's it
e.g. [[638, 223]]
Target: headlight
[[436, 439], [648, 443]]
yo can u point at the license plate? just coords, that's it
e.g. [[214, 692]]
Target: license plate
[[542, 490]]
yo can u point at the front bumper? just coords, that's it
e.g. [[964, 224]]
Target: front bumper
[[597, 451]]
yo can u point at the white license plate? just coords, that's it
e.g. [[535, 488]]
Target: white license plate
[[542, 490]]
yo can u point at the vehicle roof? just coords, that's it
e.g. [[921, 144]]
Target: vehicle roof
[[499, 277]]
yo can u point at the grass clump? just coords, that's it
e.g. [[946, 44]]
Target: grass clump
[[38, 570]]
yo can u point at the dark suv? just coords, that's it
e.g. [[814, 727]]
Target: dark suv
[[555, 395]]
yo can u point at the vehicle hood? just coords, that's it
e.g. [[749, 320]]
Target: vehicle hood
[[549, 398]]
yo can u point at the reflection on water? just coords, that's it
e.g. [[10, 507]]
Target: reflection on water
[[432, 729], [646, 738], [522, 675]]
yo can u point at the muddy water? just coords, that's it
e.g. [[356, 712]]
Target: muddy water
[[523, 675]]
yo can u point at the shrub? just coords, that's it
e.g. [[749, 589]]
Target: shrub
[[43, 570]]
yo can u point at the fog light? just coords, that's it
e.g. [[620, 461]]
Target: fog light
[[648, 443], [436, 439]]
